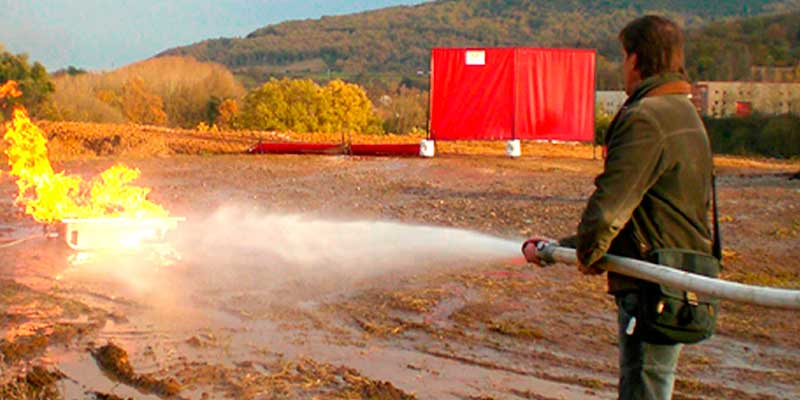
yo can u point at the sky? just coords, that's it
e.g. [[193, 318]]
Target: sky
[[107, 34]]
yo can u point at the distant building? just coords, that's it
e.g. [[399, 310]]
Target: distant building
[[724, 99], [610, 101], [760, 73]]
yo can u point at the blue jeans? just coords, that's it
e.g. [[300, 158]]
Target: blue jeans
[[647, 371]]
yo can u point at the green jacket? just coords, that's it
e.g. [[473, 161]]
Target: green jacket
[[655, 189]]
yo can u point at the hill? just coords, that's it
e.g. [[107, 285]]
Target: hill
[[726, 50], [396, 41]]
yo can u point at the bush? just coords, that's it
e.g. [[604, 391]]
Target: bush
[[602, 120], [771, 136], [300, 105], [780, 137], [405, 111]]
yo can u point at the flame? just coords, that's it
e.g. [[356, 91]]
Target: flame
[[9, 89], [49, 196]]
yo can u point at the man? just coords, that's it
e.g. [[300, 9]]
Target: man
[[654, 192]]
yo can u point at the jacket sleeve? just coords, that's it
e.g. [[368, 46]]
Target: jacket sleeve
[[569, 241], [633, 165]]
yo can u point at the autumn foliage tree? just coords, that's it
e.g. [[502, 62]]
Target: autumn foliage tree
[[300, 105], [226, 112], [186, 89], [346, 108], [141, 106], [284, 104], [187, 86]]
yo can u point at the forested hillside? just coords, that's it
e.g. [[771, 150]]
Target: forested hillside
[[726, 50], [396, 41]]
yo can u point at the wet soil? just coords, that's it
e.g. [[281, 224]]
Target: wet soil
[[453, 330]]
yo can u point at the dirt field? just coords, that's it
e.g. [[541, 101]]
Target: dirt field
[[213, 327]]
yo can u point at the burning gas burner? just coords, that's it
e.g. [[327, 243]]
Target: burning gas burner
[[115, 234], [93, 237]]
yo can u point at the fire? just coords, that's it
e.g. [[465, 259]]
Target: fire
[[9, 89], [49, 196]]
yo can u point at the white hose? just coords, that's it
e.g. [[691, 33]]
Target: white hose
[[721, 289]]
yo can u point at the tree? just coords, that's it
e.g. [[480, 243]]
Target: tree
[[780, 137], [72, 70], [404, 111], [212, 110], [141, 106], [767, 135], [300, 105], [187, 88], [347, 108], [284, 104], [32, 80], [226, 112], [397, 41]]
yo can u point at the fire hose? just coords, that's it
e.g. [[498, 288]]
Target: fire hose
[[721, 289]]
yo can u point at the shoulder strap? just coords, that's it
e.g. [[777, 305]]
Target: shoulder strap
[[716, 247]]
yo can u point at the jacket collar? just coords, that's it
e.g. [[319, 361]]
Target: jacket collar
[[675, 87], [658, 85], [653, 83]]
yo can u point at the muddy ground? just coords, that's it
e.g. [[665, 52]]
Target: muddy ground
[[126, 327]]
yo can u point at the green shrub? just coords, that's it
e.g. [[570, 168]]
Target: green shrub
[[602, 120], [32, 80], [771, 136]]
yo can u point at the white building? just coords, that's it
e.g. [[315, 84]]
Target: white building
[[610, 101], [724, 99]]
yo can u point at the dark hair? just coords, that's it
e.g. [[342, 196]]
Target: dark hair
[[657, 43]]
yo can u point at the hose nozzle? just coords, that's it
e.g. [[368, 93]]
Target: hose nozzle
[[544, 250]]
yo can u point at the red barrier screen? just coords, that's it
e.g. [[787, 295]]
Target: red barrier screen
[[512, 93]]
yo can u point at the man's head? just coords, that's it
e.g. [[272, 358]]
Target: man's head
[[653, 45]]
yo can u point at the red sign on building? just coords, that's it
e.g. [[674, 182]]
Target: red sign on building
[[743, 108]]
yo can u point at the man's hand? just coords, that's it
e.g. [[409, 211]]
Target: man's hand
[[529, 249], [589, 270]]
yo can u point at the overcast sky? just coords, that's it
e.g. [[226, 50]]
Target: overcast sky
[[105, 34]]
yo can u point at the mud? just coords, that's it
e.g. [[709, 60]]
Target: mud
[[107, 396], [114, 360], [38, 383], [434, 329]]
